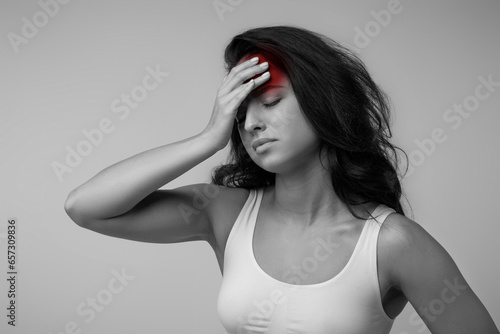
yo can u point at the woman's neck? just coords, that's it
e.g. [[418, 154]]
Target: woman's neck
[[306, 197]]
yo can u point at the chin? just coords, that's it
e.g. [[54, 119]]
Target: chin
[[271, 164]]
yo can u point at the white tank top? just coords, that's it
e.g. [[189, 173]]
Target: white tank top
[[251, 301]]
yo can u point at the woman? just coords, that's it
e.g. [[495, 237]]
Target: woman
[[305, 219]]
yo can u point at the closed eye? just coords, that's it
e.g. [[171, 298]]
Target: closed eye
[[240, 116], [272, 104]]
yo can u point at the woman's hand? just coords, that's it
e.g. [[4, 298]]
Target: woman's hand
[[230, 94]]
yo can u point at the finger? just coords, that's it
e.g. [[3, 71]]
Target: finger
[[262, 79], [243, 77], [245, 65], [249, 86], [237, 96], [239, 75]]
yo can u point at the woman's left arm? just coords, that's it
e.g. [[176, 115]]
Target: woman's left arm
[[431, 281]]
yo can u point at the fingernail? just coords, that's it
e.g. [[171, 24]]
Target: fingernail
[[265, 74], [263, 65], [254, 59]]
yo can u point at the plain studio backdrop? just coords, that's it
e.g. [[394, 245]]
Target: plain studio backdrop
[[68, 66]]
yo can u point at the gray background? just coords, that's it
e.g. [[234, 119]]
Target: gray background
[[64, 79]]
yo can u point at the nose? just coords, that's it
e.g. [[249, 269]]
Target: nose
[[253, 119]]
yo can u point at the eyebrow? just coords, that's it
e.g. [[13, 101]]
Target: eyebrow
[[262, 89]]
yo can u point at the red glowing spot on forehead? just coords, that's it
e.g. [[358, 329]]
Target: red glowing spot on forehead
[[278, 77]]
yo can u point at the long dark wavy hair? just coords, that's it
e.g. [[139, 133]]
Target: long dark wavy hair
[[346, 109]]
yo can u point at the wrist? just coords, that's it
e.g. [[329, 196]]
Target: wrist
[[209, 139]]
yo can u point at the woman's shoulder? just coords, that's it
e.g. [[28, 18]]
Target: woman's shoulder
[[399, 234], [407, 247], [230, 197], [225, 199], [224, 210]]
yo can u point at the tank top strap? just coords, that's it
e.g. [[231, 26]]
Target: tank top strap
[[252, 208], [381, 213], [373, 226], [242, 226], [366, 263]]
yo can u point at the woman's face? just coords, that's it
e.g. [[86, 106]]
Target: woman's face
[[271, 111]]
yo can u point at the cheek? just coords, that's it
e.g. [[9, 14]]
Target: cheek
[[284, 117], [300, 136], [246, 140], [287, 116]]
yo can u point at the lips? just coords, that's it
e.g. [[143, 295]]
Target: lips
[[261, 141]]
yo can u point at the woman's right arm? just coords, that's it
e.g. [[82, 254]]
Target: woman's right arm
[[124, 199]]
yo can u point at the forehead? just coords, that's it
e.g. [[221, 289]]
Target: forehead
[[278, 77]]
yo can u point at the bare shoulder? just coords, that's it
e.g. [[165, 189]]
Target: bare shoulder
[[224, 210], [407, 248], [399, 232], [429, 278]]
